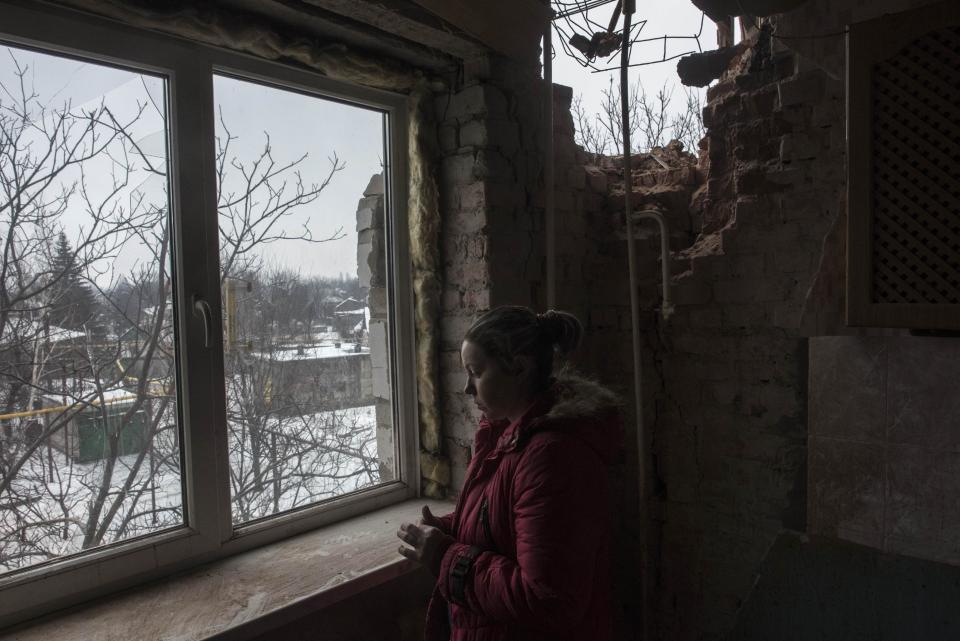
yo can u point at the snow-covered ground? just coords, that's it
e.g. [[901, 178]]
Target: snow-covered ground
[[323, 350], [302, 460]]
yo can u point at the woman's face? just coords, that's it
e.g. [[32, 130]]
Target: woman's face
[[499, 394]]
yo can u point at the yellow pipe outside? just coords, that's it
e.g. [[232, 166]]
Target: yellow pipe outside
[[59, 408], [45, 410]]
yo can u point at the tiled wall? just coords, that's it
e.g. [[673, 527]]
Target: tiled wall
[[884, 448]]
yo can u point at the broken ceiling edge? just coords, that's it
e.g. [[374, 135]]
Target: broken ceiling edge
[[213, 26]]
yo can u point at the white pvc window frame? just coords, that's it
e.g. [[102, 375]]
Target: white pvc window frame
[[189, 69]]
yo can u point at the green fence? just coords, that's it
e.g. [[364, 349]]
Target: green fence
[[93, 433]]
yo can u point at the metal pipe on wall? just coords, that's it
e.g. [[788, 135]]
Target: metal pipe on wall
[[666, 307], [628, 8], [643, 455], [550, 222]]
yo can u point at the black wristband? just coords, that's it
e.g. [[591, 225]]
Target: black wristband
[[458, 574]]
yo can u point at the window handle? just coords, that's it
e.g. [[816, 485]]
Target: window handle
[[201, 308]]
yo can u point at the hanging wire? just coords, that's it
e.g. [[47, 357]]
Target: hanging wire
[[594, 21], [758, 23]]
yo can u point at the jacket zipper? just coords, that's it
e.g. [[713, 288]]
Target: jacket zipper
[[485, 522]]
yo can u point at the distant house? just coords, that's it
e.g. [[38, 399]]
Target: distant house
[[349, 316], [86, 435], [320, 377]]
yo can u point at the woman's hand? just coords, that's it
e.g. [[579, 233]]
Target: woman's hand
[[427, 542], [429, 518]]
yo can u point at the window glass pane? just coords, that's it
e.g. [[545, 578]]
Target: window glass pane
[[304, 278], [89, 436]]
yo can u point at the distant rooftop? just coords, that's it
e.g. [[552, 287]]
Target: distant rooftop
[[314, 352]]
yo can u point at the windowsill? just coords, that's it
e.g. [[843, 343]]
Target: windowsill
[[250, 593]]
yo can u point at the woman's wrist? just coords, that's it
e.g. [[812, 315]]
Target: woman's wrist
[[435, 563]]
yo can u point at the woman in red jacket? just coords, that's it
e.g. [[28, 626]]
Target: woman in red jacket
[[525, 554]]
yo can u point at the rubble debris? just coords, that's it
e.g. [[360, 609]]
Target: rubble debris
[[700, 69], [721, 10]]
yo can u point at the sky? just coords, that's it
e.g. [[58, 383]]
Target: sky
[[297, 125], [307, 125], [667, 17], [304, 129]]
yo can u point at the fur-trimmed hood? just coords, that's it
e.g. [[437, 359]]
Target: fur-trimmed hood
[[583, 407], [576, 397]]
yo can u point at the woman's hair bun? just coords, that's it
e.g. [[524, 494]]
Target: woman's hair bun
[[511, 330], [561, 329]]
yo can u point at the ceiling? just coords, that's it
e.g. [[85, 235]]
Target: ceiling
[[431, 34]]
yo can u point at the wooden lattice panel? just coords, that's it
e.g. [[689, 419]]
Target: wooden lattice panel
[[916, 172], [903, 146]]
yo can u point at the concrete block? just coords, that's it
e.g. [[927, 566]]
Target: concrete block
[[780, 400], [504, 135], [804, 205], [749, 315], [689, 290], [576, 177], [374, 186], [379, 359], [745, 266], [469, 221], [776, 288], [473, 197], [699, 343], [761, 103], [597, 179], [800, 147], [751, 238], [705, 318], [473, 101], [458, 169], [756, 211], [449, 138], [792, 260], [788, 315], [377, 300], [452, 331], [804, 88], [473, 133], [723, 392], [370, 217], [452, 300], [736, 290], [493, 165], [503, 196], [791, 177], [476, 300]]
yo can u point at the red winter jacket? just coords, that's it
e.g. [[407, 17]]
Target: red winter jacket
[[531, 558]]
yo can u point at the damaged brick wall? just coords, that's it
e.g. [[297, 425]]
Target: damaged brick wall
[[593, 283], [725, 375], [730, 436], [489, 131]]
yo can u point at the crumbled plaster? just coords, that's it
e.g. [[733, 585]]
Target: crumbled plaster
[[211, 25]]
